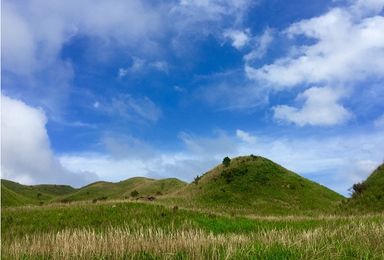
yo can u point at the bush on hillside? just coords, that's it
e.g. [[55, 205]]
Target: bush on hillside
[[358, 188], [134, 193]]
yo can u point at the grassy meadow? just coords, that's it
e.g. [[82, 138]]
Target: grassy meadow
[[132, 230]]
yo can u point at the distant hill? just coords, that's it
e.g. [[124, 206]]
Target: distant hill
[[369, 195], [253, 184], [15, 194]]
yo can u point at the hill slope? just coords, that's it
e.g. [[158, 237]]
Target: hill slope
[[123, 189], [369, 195], [11, 198], [256, 185]]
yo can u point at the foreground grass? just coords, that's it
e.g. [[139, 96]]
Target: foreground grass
[[145, 231]]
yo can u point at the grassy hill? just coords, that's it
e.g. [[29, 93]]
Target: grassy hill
[[369, 195], [256, 185]]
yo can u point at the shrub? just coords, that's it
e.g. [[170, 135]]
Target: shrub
[[196, 180], [134, 193]]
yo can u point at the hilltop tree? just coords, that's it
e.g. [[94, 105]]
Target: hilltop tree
[[226, 161]]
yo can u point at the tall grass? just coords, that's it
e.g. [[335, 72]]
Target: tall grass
[[358, 240], [144, 231]]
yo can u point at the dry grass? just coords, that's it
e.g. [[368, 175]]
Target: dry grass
[[359, 239]]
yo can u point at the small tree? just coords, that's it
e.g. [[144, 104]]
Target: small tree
[[226, 161]]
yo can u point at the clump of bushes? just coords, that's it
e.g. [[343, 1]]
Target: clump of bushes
[[358, 188], [134, 193]]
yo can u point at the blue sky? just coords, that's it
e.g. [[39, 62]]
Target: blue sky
[[108, 90]]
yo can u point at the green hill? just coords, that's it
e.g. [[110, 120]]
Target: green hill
[[256, 185], [369, 195]]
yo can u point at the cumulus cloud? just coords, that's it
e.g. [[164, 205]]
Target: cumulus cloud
[[26, 154], [320, 108], [334, 57]]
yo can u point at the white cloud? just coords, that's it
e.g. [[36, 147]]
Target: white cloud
[[261, 46], [239, 38], [320, 108], [26, 154], [33, 34], [334, 56], [246, 137], [362, 8]]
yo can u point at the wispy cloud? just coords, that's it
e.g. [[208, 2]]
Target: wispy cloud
[[128, 107]]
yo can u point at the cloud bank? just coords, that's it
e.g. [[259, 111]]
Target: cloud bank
[[25, 148]]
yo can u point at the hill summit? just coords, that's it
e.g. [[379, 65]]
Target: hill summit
[[256, 184]]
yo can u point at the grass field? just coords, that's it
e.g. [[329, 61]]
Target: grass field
[[129, 230]]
